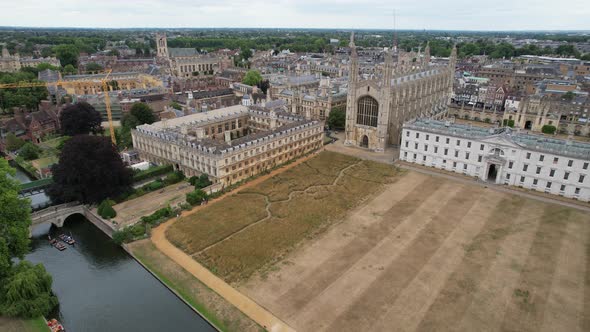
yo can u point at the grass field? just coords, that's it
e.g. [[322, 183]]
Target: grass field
[[208, 303], [22, 325], [430, 254], [254, 228]]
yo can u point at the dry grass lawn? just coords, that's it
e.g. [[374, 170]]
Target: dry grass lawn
[[429, 254], [216, 309], [249, 231]]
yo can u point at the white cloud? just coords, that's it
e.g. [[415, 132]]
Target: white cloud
[[451, 14]]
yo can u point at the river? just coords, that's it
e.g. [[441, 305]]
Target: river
[[101, 288], [37, 200]]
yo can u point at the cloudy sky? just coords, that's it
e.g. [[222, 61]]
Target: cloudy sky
[[355, 14]]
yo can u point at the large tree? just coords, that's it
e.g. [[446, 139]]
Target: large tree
[[15, 219], [337, 118], [89, 171], [27, 292], [67, 54], [139, 114], [252, 77], [80, 119]]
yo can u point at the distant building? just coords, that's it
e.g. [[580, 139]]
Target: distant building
[[13, 63], [501, 156], [188, 62]]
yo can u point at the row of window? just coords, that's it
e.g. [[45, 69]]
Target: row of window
[[548, 184], [552, 171], [445, 151], [570, 162], [447, 140]]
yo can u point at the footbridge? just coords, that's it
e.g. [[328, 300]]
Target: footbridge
[[57, 215]]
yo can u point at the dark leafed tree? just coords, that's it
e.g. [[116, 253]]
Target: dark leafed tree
[[89, 171], [143, 113], [80, 119]]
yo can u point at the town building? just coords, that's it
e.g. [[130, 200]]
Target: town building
[[188, 62], [32, 126], [379, 104], [13, 63], [229, 144], [501, 156]]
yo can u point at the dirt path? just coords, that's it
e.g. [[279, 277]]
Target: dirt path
[[252, 309]]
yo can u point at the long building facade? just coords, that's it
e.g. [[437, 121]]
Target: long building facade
[[378, 105], [229, 144], [500, 156]]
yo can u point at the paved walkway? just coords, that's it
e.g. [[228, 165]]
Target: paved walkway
[[245, 304]]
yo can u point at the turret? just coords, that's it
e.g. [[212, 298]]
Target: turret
[[5, 53], [427, 54], [354, 61]]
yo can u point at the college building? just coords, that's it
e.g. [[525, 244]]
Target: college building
[[229, 144], [501, 156]]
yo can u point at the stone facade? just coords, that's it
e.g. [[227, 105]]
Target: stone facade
[[13, 63], [500, 156], [229, 144], [378, 106]]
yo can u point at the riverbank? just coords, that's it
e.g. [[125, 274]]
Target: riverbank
[[209, 304], [8, 324]]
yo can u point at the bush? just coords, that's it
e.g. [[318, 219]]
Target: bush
[[154, 185], [105, 209], [175, 177], [29, 151], [508, 123], [157, 217], [151, 172], [548, 129], [200, 182], [196, 197], [13, 143]]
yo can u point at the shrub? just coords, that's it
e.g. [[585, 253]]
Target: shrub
[[105, 209], [196, 197], [508, 123], [154, 185], [157, 217], [175, 177], [151, 172], [200, 182], [29, 151], [549, 129]]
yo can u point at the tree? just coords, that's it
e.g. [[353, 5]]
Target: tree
[[196, 197], [252, 78], [80, 119], [67, 54], [508, 123], [264, 85], [89, 170], [548, 129], [27, 292], [29, 151], [93, 66], [69, 70], [568, 96], [105, 209], [45, 65], [13, 143], [337, 118], [143, 113], [15, 219], [201, 181]]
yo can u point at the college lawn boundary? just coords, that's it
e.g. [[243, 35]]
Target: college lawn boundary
[[244, 303]]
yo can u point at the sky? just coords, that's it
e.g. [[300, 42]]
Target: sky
[[346, 14]]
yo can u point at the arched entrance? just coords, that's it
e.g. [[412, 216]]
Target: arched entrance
[[528, 125], [492, 173], [365, 141]]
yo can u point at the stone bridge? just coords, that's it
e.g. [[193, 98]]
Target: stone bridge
[[58, 214]]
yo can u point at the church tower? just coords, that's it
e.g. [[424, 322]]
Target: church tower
[[161, 45], [353, 77]]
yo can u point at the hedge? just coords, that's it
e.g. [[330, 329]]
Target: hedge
[[151, 172]]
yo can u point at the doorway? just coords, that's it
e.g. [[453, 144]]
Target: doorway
[[492, 173], [365, 142], [528, 125]]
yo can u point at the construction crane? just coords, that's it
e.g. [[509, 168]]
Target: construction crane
[[105, 89]]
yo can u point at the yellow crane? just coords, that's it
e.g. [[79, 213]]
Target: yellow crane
[[105, 89]]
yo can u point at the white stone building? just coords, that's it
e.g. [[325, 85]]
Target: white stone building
[[501, 156]]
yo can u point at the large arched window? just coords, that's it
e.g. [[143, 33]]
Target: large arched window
[[368, 111]]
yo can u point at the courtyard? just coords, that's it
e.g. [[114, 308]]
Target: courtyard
[[342, 244]]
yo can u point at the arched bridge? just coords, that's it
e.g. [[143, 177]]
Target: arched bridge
[[58, 214]]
